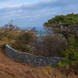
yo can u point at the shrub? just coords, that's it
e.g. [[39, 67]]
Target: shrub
[[24, 42], [70, 59], [8, 34], [51, 45]]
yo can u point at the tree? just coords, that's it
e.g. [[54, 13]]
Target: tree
[[64, 24]]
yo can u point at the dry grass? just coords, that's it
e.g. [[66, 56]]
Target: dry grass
[[11, 69]]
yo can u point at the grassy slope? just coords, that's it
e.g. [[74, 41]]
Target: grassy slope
[[11, 69]]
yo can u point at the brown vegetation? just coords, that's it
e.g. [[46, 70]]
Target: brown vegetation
[[51, 45], [24, 42], [21, 40], [11, 69], [27, 41]]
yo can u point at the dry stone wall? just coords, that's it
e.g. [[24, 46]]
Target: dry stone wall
[[30, 59]]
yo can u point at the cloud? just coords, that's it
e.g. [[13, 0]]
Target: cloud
[[36, 13]]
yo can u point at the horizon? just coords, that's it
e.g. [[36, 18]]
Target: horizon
[[28, 13]]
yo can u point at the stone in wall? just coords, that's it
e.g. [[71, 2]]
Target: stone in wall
[[29, 58]]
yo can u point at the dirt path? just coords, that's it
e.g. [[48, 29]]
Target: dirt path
[[11, 69]]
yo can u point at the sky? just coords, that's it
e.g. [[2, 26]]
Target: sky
[[34, 13]]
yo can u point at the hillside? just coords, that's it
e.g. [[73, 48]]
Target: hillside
[[63, 20], [11, 69]]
